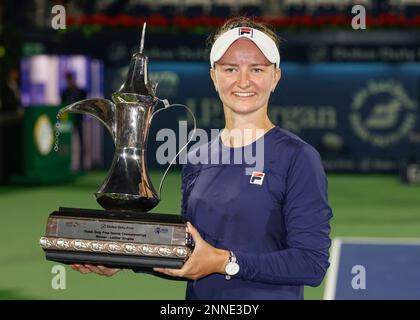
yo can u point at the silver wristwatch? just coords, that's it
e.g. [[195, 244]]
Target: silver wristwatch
[[232, 267]]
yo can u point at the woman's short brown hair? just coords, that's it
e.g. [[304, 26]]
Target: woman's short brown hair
[[242, 21]]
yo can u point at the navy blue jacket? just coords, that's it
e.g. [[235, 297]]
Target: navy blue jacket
[[279, 229]]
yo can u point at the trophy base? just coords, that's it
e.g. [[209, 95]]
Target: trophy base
[[112, 261], [117, 239]]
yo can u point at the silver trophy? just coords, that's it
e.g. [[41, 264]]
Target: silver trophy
[[124, 234]]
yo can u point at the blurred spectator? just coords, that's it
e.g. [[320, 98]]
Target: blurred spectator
[[72, 94], [10, 93], [11, 127]]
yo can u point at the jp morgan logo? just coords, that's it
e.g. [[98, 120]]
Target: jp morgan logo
[[382, 113]]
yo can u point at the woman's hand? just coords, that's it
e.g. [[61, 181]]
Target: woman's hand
[[204, 260], [101, 270]]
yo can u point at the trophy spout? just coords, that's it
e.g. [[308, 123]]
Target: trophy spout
[[101, 109]]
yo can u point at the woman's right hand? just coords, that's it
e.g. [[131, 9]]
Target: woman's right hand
[[101, 270]]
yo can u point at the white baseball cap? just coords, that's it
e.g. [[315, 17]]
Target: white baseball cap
[[262, 41]]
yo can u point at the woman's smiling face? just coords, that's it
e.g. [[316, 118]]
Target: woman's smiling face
[[244, 77]]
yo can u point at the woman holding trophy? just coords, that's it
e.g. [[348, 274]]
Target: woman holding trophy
[[263, 234]]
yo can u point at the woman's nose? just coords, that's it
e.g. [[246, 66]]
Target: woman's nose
[[243, 81]]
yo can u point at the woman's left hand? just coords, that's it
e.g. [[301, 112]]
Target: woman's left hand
[[204, 260]]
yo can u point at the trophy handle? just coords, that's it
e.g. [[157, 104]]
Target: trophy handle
[[167, 105]]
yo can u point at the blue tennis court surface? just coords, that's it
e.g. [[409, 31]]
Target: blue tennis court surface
[[363, 268]]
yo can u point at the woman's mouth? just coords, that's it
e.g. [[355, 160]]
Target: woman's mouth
[[244, 94]]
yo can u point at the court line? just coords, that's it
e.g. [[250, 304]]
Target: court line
[[332, 274], [380, 240]]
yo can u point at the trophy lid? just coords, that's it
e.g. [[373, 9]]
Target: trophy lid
[[137, 81]]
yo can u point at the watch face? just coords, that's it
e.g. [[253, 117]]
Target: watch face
[[232, 268]]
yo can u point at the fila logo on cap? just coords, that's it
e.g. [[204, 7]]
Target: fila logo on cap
[[245, 31], [257, 178]]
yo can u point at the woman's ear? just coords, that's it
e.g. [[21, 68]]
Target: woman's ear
[[213, 77], [277, 77]]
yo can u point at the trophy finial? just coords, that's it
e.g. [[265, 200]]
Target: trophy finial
[[142, 38], [137, 79]]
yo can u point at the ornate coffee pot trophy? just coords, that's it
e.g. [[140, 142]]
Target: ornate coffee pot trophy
[[123, 235]]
